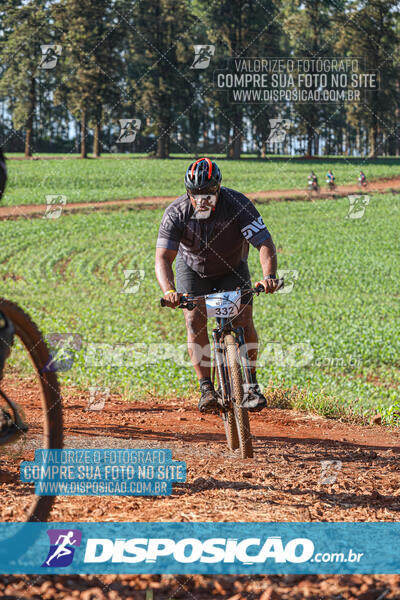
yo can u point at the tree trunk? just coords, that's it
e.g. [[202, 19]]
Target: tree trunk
[[29, 121], [264, 149], [96, 140], [310, 135], [83, 134], [345, 139], [163, 145], [373, 138], [28, 138], [316, 144], [396, 132], [374, 130], [237, 142]]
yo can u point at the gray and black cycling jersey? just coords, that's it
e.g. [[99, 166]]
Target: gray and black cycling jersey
[[216, 245]]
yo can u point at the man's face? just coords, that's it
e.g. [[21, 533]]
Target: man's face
[[203, 203]]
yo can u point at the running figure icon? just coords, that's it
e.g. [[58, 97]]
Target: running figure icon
[[62, 543]]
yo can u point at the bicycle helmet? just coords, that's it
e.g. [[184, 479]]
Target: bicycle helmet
[[203, 176]]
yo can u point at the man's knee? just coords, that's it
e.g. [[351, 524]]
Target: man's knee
[[245, 318], [195, 321]]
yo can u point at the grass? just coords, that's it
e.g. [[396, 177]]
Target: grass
[[123, 176], [341, 317]]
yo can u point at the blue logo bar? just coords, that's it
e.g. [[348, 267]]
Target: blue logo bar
[[204, 548]]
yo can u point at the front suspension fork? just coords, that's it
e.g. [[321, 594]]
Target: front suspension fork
[[220, 366]]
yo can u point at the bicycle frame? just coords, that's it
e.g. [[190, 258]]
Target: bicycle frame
[[219, 362], [218, 333]]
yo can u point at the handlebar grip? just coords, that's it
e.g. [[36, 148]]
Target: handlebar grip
[[281, 283], [162, 301]]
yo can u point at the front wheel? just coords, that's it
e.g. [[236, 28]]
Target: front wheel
[[33, 388], [236, 385]]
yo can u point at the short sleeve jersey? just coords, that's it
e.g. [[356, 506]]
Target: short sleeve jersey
[[213, 246]]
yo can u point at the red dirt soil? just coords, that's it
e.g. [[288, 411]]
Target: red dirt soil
[[38, 210], [282, 483]]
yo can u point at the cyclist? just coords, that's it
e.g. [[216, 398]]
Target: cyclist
[[330, 178], [362, 179], [312, 180], [208, 230]]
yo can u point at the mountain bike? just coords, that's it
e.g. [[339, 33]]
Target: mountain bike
[[230, 362], [362, 183], [30, 412], [313, 186], [330, 184]]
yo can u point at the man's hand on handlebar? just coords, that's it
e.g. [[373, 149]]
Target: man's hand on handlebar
[[172, 299], [270, 285]]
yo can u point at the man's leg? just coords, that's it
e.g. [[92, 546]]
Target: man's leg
[[245, 320], [196, 326], [198, 342], [254, 400], [240, 277], [199, 352]]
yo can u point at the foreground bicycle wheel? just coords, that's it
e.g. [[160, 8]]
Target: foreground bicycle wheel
[[231, 432], [35, 392], [236, 382]]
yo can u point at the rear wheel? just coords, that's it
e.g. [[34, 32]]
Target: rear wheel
[[35, 392], [236, 382]]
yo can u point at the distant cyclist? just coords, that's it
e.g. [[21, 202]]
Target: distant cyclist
[[330, 179], [208, 230], [313, 181], [362, 180]]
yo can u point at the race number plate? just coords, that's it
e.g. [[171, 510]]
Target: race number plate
[[223, 304]]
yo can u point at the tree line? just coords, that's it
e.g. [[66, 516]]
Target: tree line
[[70, 70]]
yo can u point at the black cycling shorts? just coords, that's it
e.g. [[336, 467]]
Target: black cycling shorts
[[190, 282]]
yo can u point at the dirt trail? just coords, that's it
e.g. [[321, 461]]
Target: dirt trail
[[151, 202], [284, 482]]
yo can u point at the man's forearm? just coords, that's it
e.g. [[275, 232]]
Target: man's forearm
[[165, 275], [268, 260]]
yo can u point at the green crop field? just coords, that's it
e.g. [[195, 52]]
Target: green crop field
[[331, 345], [123, 176]]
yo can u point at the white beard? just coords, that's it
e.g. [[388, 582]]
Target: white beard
[[202, 214], [204, 205]]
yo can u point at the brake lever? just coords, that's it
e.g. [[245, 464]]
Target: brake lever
[[259, 289], [189, 305]]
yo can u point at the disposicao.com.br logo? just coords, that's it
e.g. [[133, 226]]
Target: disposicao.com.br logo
[[62, 547], [190, 550]]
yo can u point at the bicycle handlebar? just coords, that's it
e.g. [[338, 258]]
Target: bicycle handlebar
[[189, 302]]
